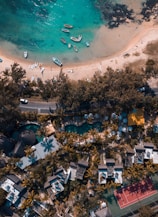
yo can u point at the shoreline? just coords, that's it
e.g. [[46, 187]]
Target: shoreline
[[147, 32]]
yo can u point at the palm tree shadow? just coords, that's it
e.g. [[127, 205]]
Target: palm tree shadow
[[48, 145], [32, 158]]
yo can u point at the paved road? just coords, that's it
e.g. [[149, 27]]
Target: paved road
[[40, 107]]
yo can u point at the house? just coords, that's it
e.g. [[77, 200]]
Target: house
[[129, 157], [139, 154], [53, 186], [102, 211], [39, 207], [62, 175], [81, 169], [43, 148], [109, 171], [12, 185]]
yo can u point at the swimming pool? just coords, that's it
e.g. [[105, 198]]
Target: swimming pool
[[84, 128]]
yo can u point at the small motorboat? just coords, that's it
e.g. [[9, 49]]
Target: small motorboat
[[57, 61], [75, 49], [63, 40], [68, 26], [76, 39], [65, 30], [69, 45], [87, 44], [25, 54]]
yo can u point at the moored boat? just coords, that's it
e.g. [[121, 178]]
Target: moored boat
[[63, 40], [76, 39], [68, 26], [69, 45], [75, 49], [87, 44], [65, 30], [25, 54], [57, 61]]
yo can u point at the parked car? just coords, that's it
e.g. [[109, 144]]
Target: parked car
[[24, 101]]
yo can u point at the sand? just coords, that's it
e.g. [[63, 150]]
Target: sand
[[128, 39]]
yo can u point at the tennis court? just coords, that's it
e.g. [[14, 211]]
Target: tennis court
[[134, 193]]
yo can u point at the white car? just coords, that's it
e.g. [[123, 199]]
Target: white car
[[24, 101]]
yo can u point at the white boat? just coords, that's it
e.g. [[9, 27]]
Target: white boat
[[76, 39], [25, 54], [69, 45], [65, 30], [87, 44], [68, 26], [57, 61]]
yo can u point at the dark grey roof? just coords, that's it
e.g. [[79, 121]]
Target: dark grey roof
[[73, 165], [118, 167], [19, 188], [83, 163], [80, 172], [49, 180], [60, 170], [138, 147], [110, 160], [130, 151], [14, 178], [102, 167], [148, 144]]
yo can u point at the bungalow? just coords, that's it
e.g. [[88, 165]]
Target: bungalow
[[129, 157], [108, 171], [12, 185], [81, 169], [139, 154], [53, 186]]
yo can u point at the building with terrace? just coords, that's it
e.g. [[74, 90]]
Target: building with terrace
[[110, 171], [139, 154], [81, 169], [12, 185]]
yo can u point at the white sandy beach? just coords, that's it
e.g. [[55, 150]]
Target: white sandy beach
[[129, 39]]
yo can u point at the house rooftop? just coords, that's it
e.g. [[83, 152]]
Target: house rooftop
[[83, 163], [102, 167], [148, 144], [13, 178], [73, 165], [139, 147], [110, 160]]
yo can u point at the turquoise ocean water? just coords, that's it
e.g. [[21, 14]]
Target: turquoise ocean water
[[35, 26]]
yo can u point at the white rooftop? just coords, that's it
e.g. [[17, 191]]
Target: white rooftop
[[48, 145]]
